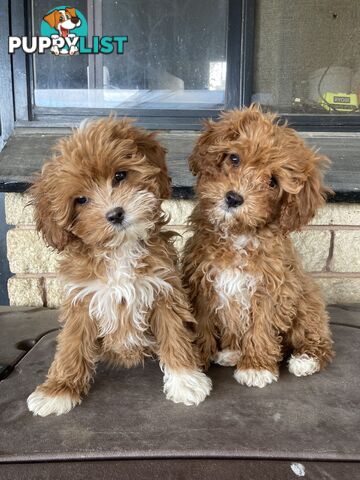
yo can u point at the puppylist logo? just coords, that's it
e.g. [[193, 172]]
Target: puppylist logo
[[64, 31]]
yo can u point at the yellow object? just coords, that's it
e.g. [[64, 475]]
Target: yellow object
[[340, 102]]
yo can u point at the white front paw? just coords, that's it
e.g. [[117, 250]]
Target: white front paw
[[302, 365], [255, 378], [190, 387], [227, 357], [41, 404]]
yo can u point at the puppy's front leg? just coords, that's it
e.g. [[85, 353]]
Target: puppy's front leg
[[310, 335], [261, 346], [183, 380], [73, 366], [205, 335]]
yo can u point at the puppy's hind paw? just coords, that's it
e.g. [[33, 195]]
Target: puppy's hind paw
[[188, 387], [255, 378], [303, 365], [39, 403]]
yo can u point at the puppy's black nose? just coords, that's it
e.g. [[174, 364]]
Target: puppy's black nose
[[233, 199], [75, 19], [115, 216]]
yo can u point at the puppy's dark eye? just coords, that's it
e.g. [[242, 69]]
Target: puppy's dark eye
[[235, 159], [273, 182], [81, 200], [61, 19], [119, 177]]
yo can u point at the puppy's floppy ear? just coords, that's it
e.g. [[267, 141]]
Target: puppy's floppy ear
[[52, 18], [155, 154], [71, 11], [200, 150], [304, 191], [47, 209]]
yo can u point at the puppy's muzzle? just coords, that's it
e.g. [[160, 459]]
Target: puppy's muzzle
[[116, 216], [233, 199]]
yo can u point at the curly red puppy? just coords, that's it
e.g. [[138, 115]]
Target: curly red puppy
[[256, 182], [98, 200]]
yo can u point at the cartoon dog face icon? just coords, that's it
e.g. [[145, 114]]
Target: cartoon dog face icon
[[63, 21]]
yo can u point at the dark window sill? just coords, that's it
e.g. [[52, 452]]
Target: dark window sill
[[26, 150]]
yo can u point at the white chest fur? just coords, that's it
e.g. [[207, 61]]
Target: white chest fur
[[124, 285], [234, 283]]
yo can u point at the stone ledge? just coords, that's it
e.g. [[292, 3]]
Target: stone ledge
[[35, 145]]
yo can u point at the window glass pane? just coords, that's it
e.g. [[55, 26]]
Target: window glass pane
[[53, 72], [175, 57], [306, 56]]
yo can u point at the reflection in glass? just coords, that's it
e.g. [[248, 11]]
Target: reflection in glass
[[306, 56], [175, 57]]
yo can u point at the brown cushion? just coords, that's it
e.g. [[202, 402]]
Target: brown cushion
[[126, 415], [23, 325]]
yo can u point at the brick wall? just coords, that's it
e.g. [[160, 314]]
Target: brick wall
[[329, 247]]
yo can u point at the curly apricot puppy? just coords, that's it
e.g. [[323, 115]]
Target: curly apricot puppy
[[256, 182], [98, 200]]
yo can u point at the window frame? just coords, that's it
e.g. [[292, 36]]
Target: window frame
[[6, 129], [238, 91], [6, 90], [236, 81]]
